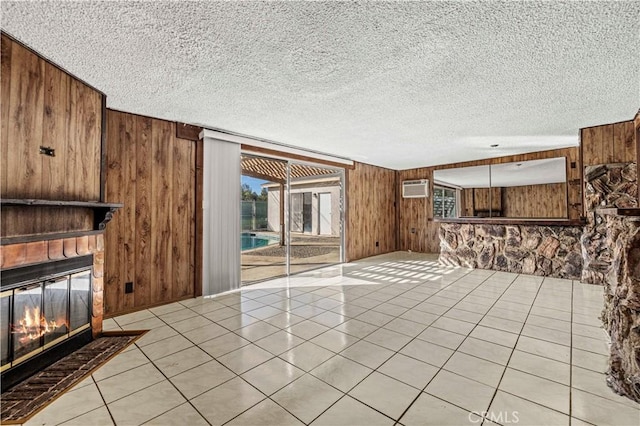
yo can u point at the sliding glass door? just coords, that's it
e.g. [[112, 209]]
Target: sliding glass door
[[262, 206], [292, 217], [316, 216]]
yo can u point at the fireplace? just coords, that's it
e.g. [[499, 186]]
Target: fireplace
[[45, 315]]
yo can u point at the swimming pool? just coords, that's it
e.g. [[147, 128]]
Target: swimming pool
[[249, 241]]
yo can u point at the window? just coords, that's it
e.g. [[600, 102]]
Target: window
[[444, 202]]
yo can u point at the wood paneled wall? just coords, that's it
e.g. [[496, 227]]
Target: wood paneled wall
[[610, 143], [548, 201], [417, 230], [371, 211], [466, 202], [43, 105], [483, 197], [151, 241]]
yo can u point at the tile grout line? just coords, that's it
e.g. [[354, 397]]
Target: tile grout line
[[467, 336], [379, 327], [344, 394], [188, 401], [514, 348], [103, 400], [278, 356], [440, 368], [376, 369], [571, 360], [304, 340]]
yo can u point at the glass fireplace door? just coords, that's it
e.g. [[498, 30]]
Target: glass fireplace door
[[80, 301], [56, 308], [27, 311]]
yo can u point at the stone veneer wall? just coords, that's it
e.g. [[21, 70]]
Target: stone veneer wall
[[607, 186], [552, 251], [621, 314], [23, 254]]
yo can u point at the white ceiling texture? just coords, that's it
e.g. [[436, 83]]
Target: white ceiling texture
[[395, 84]]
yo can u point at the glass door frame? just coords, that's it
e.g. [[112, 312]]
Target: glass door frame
[[339, 171]]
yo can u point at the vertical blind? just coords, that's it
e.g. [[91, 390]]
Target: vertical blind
[[221, 216]]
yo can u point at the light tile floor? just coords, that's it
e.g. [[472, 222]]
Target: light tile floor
[[394, 339]]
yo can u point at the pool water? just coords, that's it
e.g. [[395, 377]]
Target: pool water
[[250, 241]]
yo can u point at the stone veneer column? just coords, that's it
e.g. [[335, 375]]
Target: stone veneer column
[[621, 314], [607, 186]]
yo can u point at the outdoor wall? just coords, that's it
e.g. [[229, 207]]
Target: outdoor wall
[[273, 209]]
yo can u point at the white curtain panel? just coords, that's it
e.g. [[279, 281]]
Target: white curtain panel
[[221, 216]]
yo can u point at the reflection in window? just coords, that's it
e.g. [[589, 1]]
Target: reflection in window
[[444, 202]]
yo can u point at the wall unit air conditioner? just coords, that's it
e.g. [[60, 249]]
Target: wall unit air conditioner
[[415, 188]]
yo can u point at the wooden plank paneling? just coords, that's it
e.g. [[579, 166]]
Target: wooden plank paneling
[[93, 132], [59, 219], [371, 198], [161, 177], [416, 215], [128, 136], [5, 78], [41, 107], [609, 143], [623, 142], [484, 199], [143, 203], [535, 201], [592, 145], [195, 258], [615, 143], [153, 243], [113, 286], [26, 105], [182, 218], [198, 252], [55, 135]]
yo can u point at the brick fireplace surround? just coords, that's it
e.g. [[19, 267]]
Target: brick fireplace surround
[[25, 254]]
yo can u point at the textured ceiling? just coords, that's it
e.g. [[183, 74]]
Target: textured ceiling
[[397, 84]]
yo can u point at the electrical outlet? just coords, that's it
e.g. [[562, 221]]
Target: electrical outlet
[[128, 287], [377, 243], [413, 230]]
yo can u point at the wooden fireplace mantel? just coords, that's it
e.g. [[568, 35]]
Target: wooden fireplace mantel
[[103, 213]]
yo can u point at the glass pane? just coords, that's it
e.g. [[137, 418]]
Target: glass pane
[[449, 201], [27, 314], [79, 313], [317, 242], [56, 306], [5, 320], [262, 208], [437, 202]]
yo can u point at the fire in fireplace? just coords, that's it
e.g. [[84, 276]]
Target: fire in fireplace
[[42, 307]]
